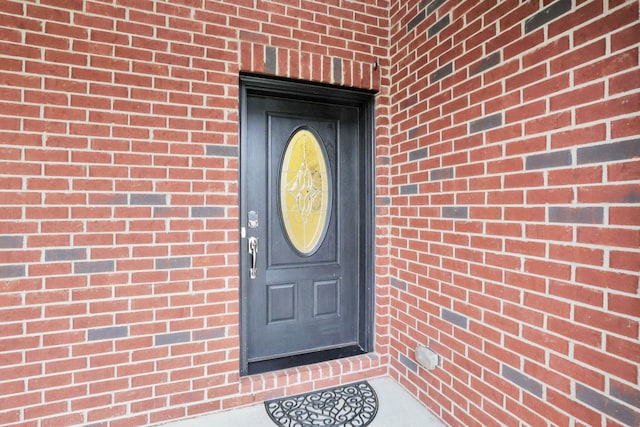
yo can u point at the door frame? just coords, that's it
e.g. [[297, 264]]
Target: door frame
[[364, 101]]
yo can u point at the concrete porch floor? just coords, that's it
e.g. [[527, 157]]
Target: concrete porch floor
[[396, 408]]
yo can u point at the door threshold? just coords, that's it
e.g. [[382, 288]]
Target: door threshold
[[303, 359]]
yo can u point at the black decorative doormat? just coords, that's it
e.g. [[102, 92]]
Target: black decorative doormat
[[352, 405]]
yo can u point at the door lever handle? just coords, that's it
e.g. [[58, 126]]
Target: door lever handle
[[253, 252]]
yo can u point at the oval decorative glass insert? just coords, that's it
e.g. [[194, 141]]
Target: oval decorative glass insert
[[305, 192]]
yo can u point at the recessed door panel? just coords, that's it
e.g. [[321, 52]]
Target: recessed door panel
[[281, 303], [326, 298]]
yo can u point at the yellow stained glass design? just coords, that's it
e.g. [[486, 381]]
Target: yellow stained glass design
[[304, 192]]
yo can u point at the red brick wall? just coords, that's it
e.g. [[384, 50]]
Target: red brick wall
[[507, 235], [119, 198], [515, 209]]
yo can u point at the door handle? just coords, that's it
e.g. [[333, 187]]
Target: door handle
[[253, 252]]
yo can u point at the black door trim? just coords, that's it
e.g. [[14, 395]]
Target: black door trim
[[363, 100]]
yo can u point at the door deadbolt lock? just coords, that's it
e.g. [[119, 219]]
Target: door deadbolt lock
[[252, 219]]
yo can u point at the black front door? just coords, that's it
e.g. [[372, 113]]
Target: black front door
[[305, 218]]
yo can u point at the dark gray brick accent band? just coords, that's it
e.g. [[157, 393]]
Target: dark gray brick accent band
[[418, 154], [457, 212], [603, 403], [409, 189], [408, 363], [486, 123], [455, 318], [209, 334], [270, 59], [442, 72], [486, 63], [70, 254], [521, 380], [176, 262], [609, 152], [11, 242], [397, 283], [438, 26], [438, 174], [434, 5], [409, 102], [109, 199], [165, 212], [337, 70], [413, 132], [93, 267], [148, 199], [632, 196], [11, 271], [384, 160], [626, 394], [546, 15], [583, 215], [383, 201], [415, 21], [549, 160], [222, 151], [207, 211], [172, 338], [108, 333]]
